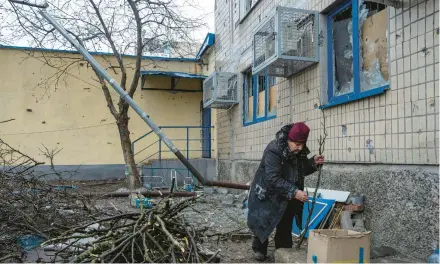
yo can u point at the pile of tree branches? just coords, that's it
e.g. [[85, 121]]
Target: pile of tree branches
[[72, 227], [31, 205], [154, 235]]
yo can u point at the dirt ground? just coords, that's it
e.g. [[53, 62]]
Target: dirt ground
[[227, 229], [226, 223]]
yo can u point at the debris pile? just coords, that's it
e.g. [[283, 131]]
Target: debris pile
[[159, 234], [35, 214], [30, 205]]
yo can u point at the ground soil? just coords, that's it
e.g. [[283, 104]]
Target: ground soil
[[226, 223], [223, 221]]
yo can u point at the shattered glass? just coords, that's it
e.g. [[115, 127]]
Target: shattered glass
[[342, 52], [373, 55]]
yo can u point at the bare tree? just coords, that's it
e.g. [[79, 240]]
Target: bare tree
[[117, 26]]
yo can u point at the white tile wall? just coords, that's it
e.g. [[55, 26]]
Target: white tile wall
[[402, 123]]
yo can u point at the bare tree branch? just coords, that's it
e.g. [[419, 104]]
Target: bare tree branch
[[120, 27], [46, 5], [139, 49], [112, 44]]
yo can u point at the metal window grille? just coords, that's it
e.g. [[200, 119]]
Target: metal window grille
[[220, 90], [286, 43]]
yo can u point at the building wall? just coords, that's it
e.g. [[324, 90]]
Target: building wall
[[208, 68], [402, 124], [70, 112]]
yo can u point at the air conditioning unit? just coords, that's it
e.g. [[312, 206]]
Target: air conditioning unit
[[286, 43], [220, 90]]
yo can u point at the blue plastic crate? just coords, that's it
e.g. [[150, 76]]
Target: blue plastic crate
[[146, 203]]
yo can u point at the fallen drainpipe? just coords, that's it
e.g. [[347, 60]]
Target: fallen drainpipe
[[231, 185], [144, 193], [127, 98]]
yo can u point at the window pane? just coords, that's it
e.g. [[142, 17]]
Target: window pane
[[272, 110], [373, 24], [249, 95], [261, 102], [342, 52]]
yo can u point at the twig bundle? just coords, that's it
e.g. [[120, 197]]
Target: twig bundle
[[153, 235]]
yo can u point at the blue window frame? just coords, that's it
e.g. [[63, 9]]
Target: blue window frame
[[257, 104], [348, 78]]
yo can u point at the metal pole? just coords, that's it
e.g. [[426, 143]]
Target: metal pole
[[187, 143], [124, 95]]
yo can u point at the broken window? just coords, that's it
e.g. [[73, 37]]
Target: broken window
[[249, 97], [259, 98], [261, 95], [246, 6], [358, 64], [272, 109], [373, 24], [342, 52]]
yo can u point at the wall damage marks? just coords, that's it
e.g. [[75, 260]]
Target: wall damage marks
[[373, 39]]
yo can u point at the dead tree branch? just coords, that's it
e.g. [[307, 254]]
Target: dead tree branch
[[321, 143]]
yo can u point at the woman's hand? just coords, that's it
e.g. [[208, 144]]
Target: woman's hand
[[319, 159], [301, 196]]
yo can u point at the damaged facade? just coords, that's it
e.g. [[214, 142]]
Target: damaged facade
[[374, 76]]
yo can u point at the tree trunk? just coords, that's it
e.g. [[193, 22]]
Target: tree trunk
[[133, 178]]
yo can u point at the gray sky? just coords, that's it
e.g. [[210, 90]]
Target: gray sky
[[203, 7], [206, 7]]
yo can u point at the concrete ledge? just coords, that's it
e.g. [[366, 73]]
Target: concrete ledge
[[84, 172], [401, 201]]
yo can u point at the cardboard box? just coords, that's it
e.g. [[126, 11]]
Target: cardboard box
[[338, 246]]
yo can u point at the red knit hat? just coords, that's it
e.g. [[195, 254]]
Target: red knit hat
[[299, 133]]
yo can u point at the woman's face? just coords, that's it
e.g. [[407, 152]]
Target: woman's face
[[295, 147]]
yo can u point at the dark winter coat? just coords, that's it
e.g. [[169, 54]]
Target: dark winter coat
[[279, 176]]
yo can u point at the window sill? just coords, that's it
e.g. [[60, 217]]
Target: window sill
[[259, 120], [351, 97], [248, 12]]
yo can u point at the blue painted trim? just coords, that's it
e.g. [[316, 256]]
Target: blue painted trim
[[132, 144], [208, 42], [330, 48], [260, 120], [329, 59], [355, 48], [315, 259], [245, 101], [356, 94], [361, 255], [187, 143], [174, 74], [160, 142], [267, 82], [188, 150], [346, 98], [98, 53], [339, 9], [266, 102]]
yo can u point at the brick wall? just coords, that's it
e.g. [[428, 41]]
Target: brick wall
[[402, 123]]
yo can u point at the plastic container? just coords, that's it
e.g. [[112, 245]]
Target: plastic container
[[188, 187], [146, 203], [434, 258], [29, 242]]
